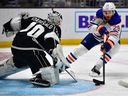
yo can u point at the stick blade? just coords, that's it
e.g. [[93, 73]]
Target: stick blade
[[98, 82]]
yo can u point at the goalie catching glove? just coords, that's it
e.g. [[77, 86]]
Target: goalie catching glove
[[62, 64]]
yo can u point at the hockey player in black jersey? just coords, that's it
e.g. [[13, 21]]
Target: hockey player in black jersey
[[34, 39]]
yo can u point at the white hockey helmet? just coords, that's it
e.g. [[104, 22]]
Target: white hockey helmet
[[55, 17], [109, 6]]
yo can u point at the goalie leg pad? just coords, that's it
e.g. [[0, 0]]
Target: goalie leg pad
[[8, 68], [50, 74]]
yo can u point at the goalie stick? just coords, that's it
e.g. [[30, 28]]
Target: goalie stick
[[98, 82], [71, 73], [61, 56]]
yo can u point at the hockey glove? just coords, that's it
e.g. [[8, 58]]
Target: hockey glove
[[7, 29], [102, 30], [62, 63], [107, 46], [61, 66]]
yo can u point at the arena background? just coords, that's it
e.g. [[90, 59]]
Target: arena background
[[76, 16]]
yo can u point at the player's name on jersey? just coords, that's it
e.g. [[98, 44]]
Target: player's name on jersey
[[43, 22]]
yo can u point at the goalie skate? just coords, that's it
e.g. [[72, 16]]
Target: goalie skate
[[38, 81], [94, 72]]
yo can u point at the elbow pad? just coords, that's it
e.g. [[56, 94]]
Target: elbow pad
[[93, 28]]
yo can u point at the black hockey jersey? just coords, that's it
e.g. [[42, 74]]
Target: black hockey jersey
[[37, 28]]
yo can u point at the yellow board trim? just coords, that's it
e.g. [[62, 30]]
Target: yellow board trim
[[4, 44], [70, 41], [124, 40], [77, 41]]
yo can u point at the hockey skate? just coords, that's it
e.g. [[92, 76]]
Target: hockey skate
[[94, 72], [38, 81]]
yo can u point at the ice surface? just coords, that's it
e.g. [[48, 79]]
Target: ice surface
[[116, 70]]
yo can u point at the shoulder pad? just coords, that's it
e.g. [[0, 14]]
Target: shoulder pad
[[99, 14], [115, 19]]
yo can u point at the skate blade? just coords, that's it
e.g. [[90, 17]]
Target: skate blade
[[40, 84]]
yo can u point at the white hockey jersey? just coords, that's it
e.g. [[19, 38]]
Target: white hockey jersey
[[113, 26]]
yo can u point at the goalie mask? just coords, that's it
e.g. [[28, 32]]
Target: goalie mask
[[55, 17]]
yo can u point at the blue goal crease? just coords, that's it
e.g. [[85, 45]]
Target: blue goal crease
[[24, 87]]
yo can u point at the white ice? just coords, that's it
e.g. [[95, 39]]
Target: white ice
[[116, 70]]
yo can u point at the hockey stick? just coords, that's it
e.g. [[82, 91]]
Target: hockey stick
[[71, 73], [61, 56], [98, 82], [52, 10]]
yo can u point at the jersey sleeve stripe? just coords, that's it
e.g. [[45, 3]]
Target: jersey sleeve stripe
[[70, 58], [73, 56], [114, 33], [111, 43], [99, 27]]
